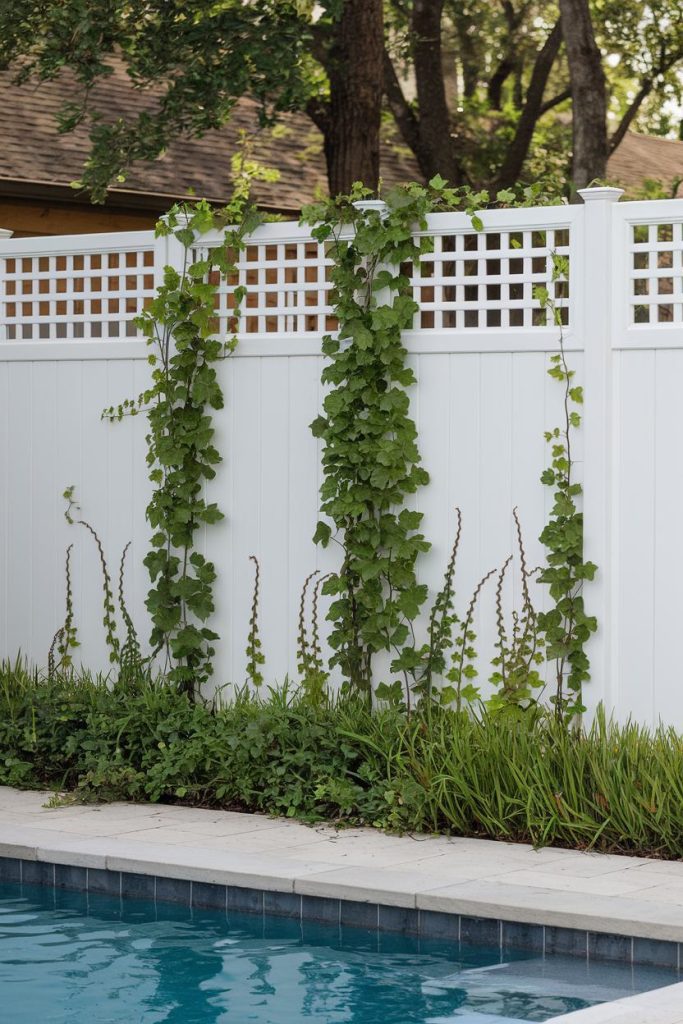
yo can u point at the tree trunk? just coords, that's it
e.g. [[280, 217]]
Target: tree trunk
[[354, 67], [589, 105], [438, 150]]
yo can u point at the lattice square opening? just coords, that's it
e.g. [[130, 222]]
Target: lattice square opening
[[656, 272], [62, 294], [487, 279]]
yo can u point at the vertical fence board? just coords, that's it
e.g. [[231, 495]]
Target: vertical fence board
[[20, 511], [304, 556], [6, 447], [45, 508], [246, 512], [668, 537], [636, 536]]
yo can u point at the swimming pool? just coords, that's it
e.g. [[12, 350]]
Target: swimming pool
[[82, 958]]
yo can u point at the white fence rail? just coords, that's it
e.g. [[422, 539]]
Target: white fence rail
[[480, 346]]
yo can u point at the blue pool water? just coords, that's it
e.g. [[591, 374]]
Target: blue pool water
[[76, 958]]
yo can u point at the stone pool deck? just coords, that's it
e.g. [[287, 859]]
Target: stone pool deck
[[602, 895]]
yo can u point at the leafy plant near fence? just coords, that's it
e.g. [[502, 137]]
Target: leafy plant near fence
[[372, 466], [370, 455], [180, 328], [519, 776], [565, 626]]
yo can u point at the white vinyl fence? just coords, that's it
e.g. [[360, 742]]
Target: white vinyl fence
[[480, 347]]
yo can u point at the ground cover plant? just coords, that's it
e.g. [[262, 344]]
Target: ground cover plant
[[512, 775]]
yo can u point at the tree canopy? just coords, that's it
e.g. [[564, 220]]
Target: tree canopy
[[486, 92]]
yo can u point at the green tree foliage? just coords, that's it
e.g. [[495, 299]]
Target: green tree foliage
[[476, 90], [503, 95], [201, 55]]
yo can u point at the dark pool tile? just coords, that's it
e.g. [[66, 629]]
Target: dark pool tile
[[36, 872], [10, 869], [282, 904], [205, 894], [390, 943], [69, 877], [245, 901], [325, 933], [106, 882], [435, 925], [72, 899], [604, 946], [566, 940], [404, 920], [173, 890], [320, 908], [137, 887], [522, 936], [282, 928], [172, 911], [480, 931], [655, 953], [104, 908], [355, 914]]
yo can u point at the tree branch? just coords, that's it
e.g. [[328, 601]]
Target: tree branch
[[320, 42], [646, 86], [319, 112], [519, 147], [555, 101], [404, 115], [632, 110], [497, 81]]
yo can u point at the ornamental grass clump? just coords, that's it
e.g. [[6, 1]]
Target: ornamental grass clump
[[513, 775]]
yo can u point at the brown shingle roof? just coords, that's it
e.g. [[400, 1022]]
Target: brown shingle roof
[[33, 153], [35, 157], [640, 157]]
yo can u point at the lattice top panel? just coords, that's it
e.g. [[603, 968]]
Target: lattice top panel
[[470, 280], [287, 284], [487, 279], [656, 273], [75, 295]]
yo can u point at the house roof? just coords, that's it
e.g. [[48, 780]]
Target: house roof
[[38, 162], [35, 159], [642, 157]]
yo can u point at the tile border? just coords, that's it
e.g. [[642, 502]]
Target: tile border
[[376, 917]]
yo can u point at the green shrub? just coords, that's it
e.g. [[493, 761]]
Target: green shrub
[[519, 776]]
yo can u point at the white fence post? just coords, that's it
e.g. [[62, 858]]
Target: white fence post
[[596, 328], [4, 233]]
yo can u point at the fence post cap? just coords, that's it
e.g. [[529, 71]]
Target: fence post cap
[[6, 233], [604, 193], [371, 204]]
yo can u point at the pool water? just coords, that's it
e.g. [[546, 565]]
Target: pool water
[[79, 958]]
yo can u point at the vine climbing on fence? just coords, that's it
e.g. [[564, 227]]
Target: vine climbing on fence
[[181, 331], [565, 626]]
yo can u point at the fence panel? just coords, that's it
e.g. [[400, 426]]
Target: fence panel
[[480, 346]]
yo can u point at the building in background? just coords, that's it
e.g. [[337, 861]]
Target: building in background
[[38, 164]]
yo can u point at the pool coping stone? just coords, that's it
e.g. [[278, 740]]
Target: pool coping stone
[[470, 908]]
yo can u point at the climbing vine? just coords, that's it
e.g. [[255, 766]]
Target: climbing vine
[[180, 328], [370, 455], [566, 626], [372, 465], [372, 468]]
